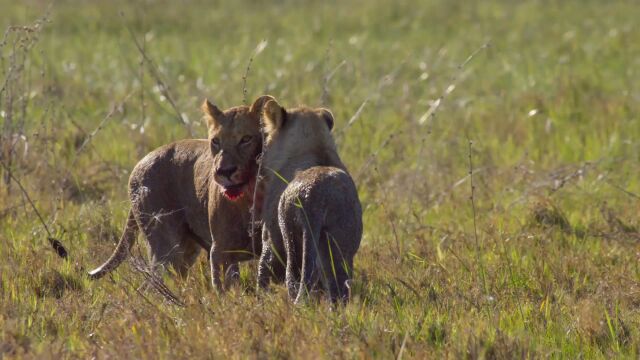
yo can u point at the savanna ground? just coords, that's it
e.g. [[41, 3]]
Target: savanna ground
[[542, 260]]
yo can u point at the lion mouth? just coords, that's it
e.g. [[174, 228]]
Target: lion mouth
[[234, 192]]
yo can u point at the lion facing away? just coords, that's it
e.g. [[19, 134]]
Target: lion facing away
[[195, 194], [315, 218]]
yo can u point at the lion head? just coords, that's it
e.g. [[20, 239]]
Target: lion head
[[235, 141], [297, 132]]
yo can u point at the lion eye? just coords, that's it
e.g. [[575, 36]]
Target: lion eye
[[245, 140], [215, 144]]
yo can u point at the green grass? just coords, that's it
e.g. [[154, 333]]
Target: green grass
[[551, 106]]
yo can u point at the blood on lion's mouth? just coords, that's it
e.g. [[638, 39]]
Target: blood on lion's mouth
[[234, 192]]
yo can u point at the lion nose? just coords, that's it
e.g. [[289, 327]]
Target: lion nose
[[227, 171]]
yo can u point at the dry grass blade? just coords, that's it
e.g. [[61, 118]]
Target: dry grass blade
[[351, 121], [155, 281], [155, 73], [435, 105]]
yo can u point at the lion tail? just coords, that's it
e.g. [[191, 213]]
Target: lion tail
[[122, 250]]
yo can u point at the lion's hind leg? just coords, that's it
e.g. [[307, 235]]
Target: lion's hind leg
[[336, 268], [190, 249], [169, 242]]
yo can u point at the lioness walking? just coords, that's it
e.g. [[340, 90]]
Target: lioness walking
[[195, 194], [316, 218]]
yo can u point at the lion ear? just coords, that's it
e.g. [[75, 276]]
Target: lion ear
[[211, 113], [328, 117], [257, 105], [274, 116]]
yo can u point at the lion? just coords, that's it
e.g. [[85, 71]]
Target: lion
[[311, 212], [197, 194]]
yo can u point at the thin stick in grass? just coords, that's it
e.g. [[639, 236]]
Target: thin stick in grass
[[258, 49], [143, 106], [55, 243], [391, 222], [510, 268], [475, 227], [324, 99], [244, 80], [371, 159]]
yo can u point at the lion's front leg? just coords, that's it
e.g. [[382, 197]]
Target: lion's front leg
[[272, 264], [264, 268], [215, 260], [221, 266]]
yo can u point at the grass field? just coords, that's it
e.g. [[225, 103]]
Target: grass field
[[539, 100]]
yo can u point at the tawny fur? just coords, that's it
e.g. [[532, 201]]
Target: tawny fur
[[180, 196], [313, 223]]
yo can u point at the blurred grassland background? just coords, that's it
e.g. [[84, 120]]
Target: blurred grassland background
[[549, 98]]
